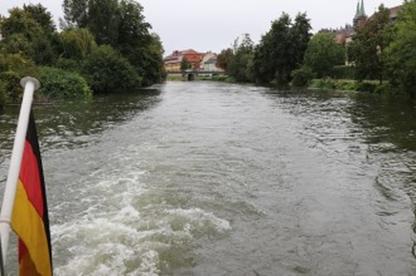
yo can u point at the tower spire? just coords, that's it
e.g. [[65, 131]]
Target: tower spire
[[362, 11], [357, 11]]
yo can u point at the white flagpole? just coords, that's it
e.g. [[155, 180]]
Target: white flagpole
[[30, 85]]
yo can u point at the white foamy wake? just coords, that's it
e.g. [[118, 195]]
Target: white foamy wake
[[114, 235]]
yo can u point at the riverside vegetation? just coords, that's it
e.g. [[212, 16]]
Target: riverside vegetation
[[380, 58], [103, 47]]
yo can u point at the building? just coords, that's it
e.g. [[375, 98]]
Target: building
[[174, 60], [209, 63], [344, 35], [360, 17], [394, 13]]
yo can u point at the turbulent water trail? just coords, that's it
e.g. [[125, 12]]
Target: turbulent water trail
[[217, 179]]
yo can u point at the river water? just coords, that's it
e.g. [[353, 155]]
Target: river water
[[206, 178]]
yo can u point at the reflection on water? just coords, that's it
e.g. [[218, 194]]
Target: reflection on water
[[218, 179]]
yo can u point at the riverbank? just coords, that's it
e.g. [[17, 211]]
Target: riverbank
[[370, 86], [350, 85]]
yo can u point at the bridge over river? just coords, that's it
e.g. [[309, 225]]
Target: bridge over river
[[191, 75], [205, 178]]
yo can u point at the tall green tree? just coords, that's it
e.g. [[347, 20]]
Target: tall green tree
[[109, 72], [401, 54], [241, 62], [281, 49], [42, 16], [224, 59], [366, 51], [121, 24], [31, 29], [77, 43], [323, 53]]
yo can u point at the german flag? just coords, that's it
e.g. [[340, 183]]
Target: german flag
[[30, 213]]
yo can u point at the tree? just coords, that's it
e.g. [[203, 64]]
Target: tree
[[401, 53], [109, 72], [224, 59], [300, 36], [281, 50], [121, 24], [41, 15], [185, 65], [367, 49], [240, 63], [75, 13], [77, 43], [323, 53], [32, 30]]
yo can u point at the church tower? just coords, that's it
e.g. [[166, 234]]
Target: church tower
[[360, 17]]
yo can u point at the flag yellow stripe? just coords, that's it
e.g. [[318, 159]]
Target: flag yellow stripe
[[28, 225]]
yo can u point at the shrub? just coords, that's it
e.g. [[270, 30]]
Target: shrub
[[326, 83], [11, 82], [107, 71], [302, 77], [2, 95], [58, 83], [323, 53], [68, 64], [344, 72], [346, 85], [383, 88], [16, 63], [366, 87], [77, 43]]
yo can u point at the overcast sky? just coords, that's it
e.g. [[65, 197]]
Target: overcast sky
[[213, 24]]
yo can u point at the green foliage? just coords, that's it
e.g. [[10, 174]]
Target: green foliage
[[30, 32], [57, 83], [185, 65], [367, 49], [224, 59], [401, 55], [121, 24], [19, 21], [108, 72], [366, 86], [42, 17], [16, 44], [241, 62], [13, 67], [325, 83], [2, 95], [77, 43], [302, 77], [350, 85], [343, 72], [69, 64], [16, 63], [323, 54], [11, 81], [384, 88], [281, 49]]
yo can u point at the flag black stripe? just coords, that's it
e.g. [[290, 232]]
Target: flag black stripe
[[32, 139]]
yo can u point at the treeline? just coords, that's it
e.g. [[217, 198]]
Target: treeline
[[288, 54], [279, 52], [103, 47]]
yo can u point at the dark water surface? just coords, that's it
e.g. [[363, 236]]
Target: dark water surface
[[216, 179]]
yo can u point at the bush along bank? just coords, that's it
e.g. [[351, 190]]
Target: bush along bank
[[111, 50], [350, 85]]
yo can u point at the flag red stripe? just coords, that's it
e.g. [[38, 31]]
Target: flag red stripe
[[30, 177]]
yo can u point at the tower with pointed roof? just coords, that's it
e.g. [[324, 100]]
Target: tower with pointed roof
[[360, 16]]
